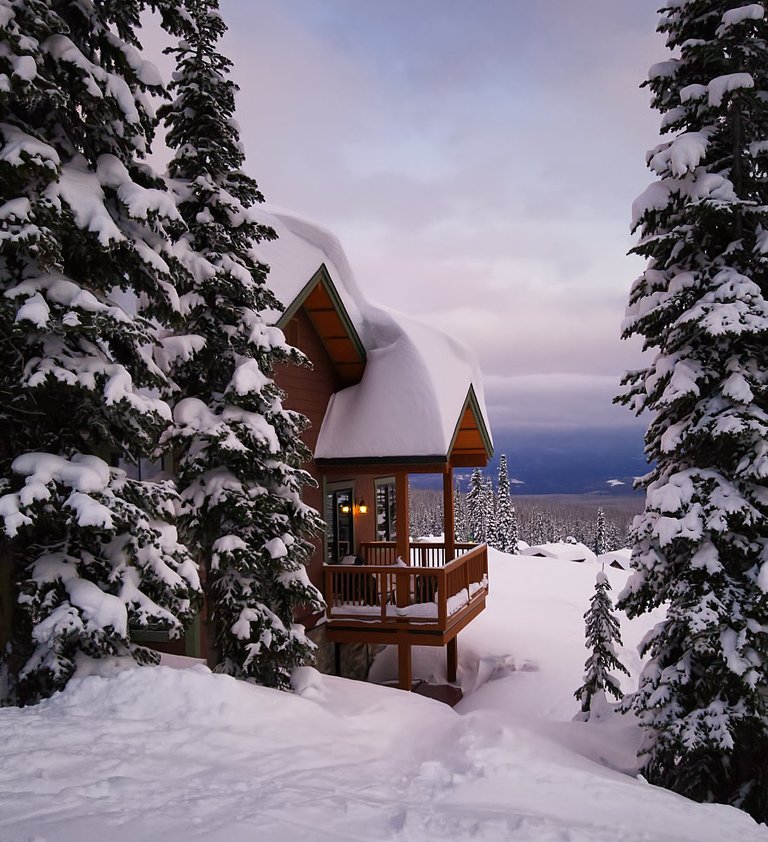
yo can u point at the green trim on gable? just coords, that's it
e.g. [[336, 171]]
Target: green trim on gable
[[471, 400], [322, 276]]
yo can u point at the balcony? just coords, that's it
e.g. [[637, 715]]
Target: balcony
[[425, 603]]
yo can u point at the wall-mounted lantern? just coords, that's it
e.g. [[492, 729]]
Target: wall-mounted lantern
[[362, 507]]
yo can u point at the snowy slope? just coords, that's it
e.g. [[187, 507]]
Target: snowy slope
[[162, 753]]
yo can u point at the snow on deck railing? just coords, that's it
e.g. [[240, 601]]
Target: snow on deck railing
[[418, 595], [423, 553]]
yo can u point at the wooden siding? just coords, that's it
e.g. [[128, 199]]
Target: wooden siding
[[308, 390]]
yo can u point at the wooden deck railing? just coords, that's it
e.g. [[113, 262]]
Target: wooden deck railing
[[394, 597], [423, 554]]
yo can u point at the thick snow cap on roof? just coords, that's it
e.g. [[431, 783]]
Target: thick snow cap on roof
[[417, 378]]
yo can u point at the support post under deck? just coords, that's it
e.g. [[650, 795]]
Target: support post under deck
[[404, 666], [452, 658]]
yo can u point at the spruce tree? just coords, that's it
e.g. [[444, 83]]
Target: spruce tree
[[474, 507], [488, 508], [602, 634], [514, 530], [239, 449], [459, 514], [601, 533], [539, 534], [504, 510], [702, 305], [85, 229]]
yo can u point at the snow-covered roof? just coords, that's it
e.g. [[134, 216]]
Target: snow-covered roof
[[418, 381], [562, 550], [616, 557]]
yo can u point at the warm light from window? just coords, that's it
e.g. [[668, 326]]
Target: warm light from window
[[345, 508]]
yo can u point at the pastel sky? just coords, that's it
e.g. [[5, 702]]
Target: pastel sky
[[478, 160]]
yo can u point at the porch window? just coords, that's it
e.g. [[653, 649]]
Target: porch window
[[339, 522], [386, 510]]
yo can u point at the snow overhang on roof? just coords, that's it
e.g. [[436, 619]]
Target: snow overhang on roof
[[420, 399]]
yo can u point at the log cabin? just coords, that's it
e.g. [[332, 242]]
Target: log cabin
[[386, 397]]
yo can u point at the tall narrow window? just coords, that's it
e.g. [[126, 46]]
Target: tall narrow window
[[386, 510], [339, 535]]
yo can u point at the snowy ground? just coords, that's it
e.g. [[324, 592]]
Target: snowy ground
[[171, 754]]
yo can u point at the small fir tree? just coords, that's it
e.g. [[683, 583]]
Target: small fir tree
[[702, 305], [601, 533], [488, 515], [85, 229], [239, 449], [474, 507], [459, 514], [514, 530], [602, 635], [505, 541]]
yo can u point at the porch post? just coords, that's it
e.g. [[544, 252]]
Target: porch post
[[403, 517], [452, 658], [403, 550], [449, 528], [404, 666]]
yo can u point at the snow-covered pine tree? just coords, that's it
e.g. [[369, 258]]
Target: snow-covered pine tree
[[613, 539], [602, 634], [514, 530], [239, 450], [601, 533], [538, 529], [488, 512], [84, 226], [702, 303], [504, 510], [459, 514], [474, 507]]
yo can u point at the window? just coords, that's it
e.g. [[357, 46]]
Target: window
[[339, 534], [386, 510]]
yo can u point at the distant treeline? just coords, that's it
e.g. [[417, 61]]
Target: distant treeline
[[540, 518]]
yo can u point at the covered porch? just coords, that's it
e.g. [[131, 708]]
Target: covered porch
[[400, 591], [408, 605]]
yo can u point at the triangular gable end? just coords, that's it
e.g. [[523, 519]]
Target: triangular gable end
[[325, 309], [471, 445]]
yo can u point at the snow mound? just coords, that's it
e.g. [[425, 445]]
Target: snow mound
[[180, 754]]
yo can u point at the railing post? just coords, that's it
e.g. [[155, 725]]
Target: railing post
[[403, 587], [329, 593], [449, 529], [442, 602]]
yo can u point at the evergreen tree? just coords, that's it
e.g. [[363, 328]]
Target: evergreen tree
[[702, 304], [84, 226], [613, 539], [459, 514], [601, 533], [488, 509], [538, 533], [474, 507], [239, 449], [504, 511], [602, 633], [514, 531]]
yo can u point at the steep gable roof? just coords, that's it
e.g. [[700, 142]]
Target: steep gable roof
[[322, 303], [420, 397]]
